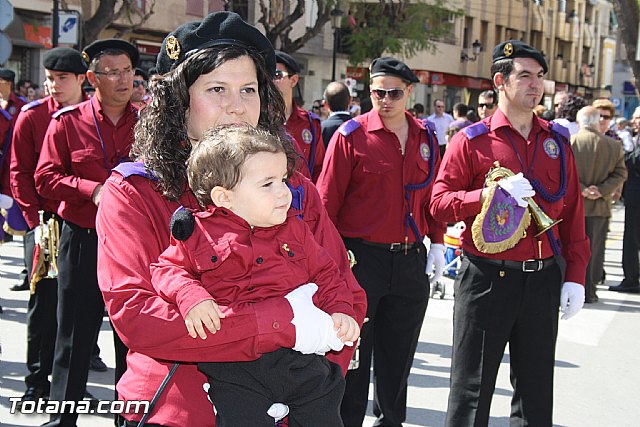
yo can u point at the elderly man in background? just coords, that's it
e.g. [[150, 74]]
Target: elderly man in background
[[601, 169]]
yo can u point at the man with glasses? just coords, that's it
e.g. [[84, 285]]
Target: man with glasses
[[376, 185], [304, 127], [509, 292], [139, 94], [82, 144], [487, 104], [601, 170], [441, 120]]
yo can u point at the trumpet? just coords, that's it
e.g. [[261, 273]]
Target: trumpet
[[45, 253], [542, 220]]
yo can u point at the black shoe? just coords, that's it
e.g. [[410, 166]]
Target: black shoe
[[34, 394], [24, 286], [632, 288], [93, 401], [97, 364]]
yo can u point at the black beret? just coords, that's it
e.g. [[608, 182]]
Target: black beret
[[517, 49], [142, 73], [96, 48], [7, 74], [153, 71], [388, 66], [288, 61], [217, 29], [64, 59]]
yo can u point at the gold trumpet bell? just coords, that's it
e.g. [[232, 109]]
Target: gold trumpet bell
[[542, 220]]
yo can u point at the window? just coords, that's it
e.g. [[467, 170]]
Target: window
[[195, 7]]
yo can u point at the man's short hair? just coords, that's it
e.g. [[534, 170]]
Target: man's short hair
[[337, 96], [460, 109], [418, 108], [488, 94]]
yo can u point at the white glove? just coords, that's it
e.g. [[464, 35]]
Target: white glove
[[518, 187], [314, 327], [571, 299], [5, 201], [278, 411], [435, 260]]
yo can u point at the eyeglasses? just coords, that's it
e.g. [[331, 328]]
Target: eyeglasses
[[137, 83], [439, 106], [279, 75], [603, 117], [114, 74], [393, 94], [487, 106]]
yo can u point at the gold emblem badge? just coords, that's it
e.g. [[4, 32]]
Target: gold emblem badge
[[172, 47], [508, 50], [85, 57]]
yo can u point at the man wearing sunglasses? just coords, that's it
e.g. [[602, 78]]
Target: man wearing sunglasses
[[82, 144], [139, 94], [441, 120], [510, 293], [487, 104], [376, 185], [303, 126]]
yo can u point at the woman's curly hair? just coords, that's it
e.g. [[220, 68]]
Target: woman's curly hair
[[161, 139], [570, 106]]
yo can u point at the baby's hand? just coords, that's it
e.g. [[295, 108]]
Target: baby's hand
[[206, 313], [346, 328]]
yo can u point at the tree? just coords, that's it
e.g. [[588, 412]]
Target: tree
[[386, 26], [628, 14], [109, 11], [395, 27], [278, 24]]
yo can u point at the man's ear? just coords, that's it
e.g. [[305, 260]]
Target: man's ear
[[294, 80], [498, 80], [221, 197], [91, 78]]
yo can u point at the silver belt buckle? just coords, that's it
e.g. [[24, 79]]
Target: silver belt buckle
[[526, 270], [395, 247]]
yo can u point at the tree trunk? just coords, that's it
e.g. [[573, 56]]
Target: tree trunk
[[105, 15]]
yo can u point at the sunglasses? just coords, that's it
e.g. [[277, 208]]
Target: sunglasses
[[279, 75], [602, 117], [315, 107], [137, 83], [488, 106], [393, 94]]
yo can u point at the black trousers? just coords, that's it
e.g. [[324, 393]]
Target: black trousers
[[42, 324], [309, 384], [495, 306], [80, 310], [631, 244], [397, 293], [596, 228]]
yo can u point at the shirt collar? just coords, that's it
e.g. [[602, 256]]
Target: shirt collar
[[498, 120]]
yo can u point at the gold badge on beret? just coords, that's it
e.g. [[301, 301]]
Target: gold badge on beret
[[85, 57], [172, 47], [508, 50]]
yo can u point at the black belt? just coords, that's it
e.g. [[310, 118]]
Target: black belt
[[391, 247], [528, 266]]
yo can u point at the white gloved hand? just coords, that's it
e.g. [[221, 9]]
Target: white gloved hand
[[518, 187], [571, 299], [314, 328], [5, 201], [435, 260], [278, 411]]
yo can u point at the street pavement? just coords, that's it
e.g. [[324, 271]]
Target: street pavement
[[596, 381]]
